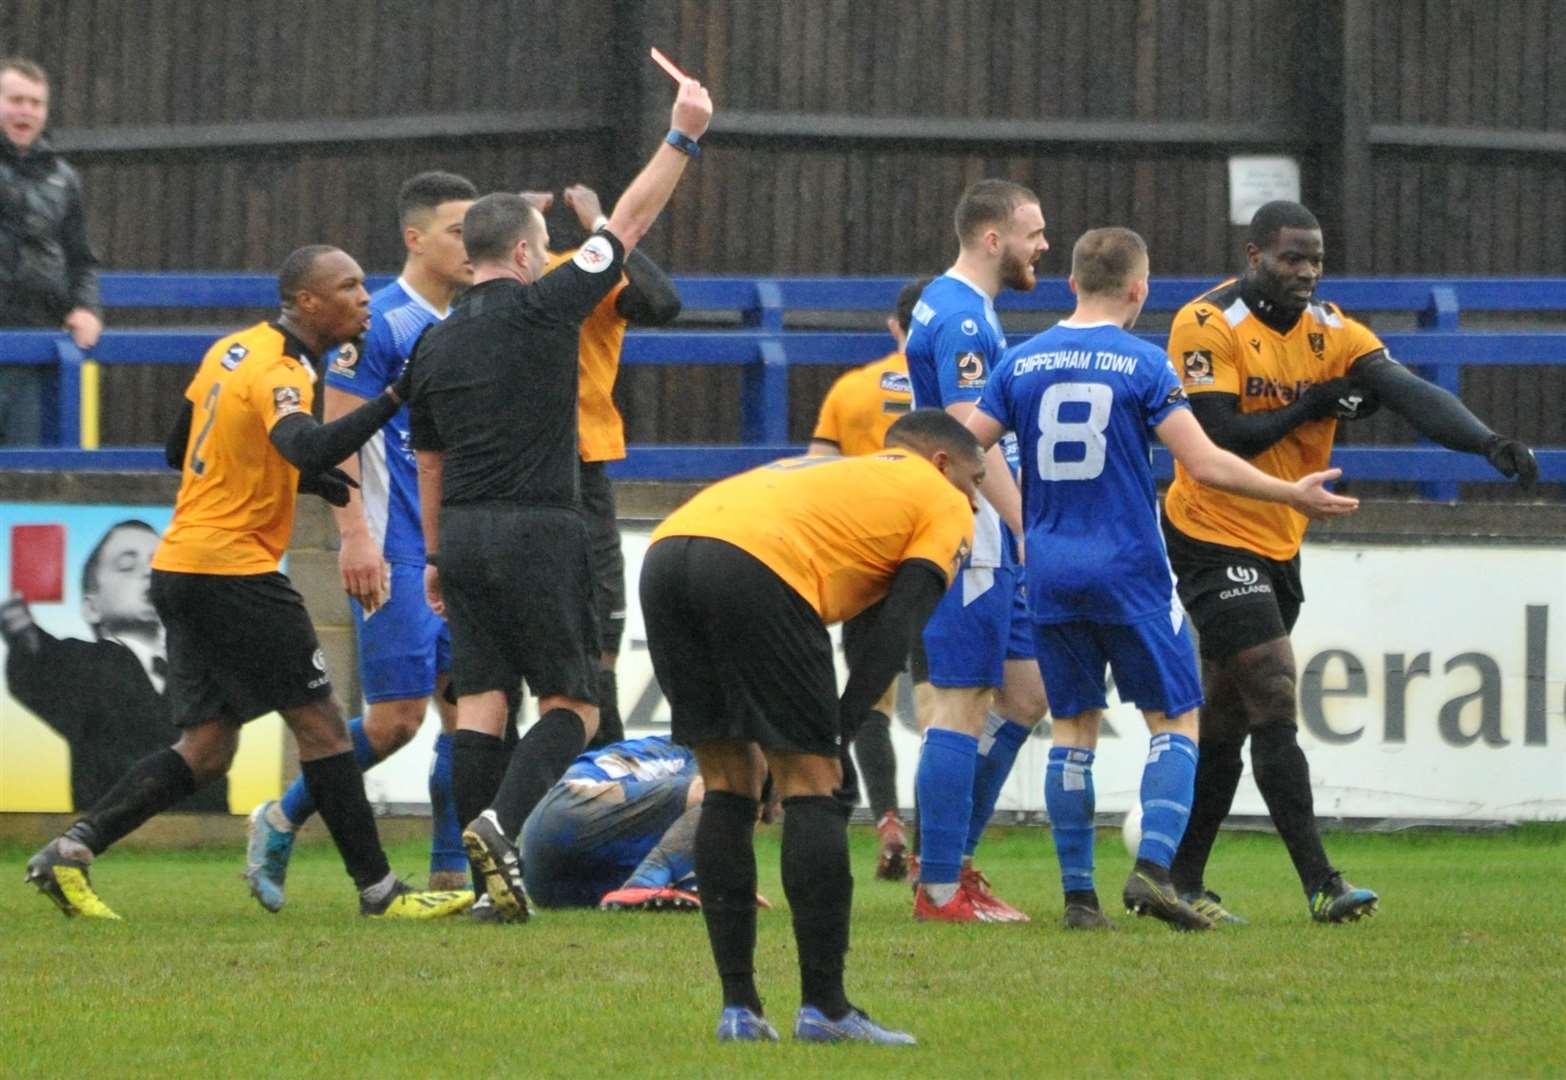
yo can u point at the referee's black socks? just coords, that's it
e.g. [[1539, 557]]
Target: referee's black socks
[[152, 785], [726, 872], [820, 890], [336, 784], [537, 761]]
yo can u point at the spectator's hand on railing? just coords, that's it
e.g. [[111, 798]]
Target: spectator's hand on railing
[[84, 326]]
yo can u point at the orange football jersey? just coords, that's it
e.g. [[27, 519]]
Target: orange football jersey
[[863, 403], [235, 508], [835, 528], [600, 430], [1218, 345]]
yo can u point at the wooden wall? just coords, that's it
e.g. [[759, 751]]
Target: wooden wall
[[220, 135]]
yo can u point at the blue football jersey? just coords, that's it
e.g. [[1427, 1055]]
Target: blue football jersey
[[954, 342], [1083, 401], [656, 757], [388, 484]]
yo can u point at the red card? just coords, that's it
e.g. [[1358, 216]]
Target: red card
[[38, 563]]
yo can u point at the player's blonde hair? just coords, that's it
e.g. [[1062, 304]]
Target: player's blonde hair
[[1105, 260]]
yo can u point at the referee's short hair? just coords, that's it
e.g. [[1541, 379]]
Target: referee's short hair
[[298, 272], [1104, 260], [927, 430], [428, 190], [1272, 218], [30, 70], [494, 224], [989, 202]]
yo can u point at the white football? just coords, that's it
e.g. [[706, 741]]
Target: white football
[[1131, 828]]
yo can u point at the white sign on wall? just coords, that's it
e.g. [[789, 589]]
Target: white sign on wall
[[1258, 179], [1431, 687]]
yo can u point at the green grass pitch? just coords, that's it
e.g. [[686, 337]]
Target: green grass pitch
[[1462, 974]]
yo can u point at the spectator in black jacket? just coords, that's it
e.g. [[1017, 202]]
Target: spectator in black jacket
[[48, 271]]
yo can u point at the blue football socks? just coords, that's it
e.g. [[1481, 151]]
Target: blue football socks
[[944, 783], [1068, 796], [1168, 784], [297, 803], [998, 748], [446, 851]]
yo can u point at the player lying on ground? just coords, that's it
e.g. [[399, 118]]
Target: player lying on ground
[[618, 830], [1083, 397], [737, 590], [240, 643]]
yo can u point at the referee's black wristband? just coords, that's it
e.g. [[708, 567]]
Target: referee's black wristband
[[683, 143], [432, 558]]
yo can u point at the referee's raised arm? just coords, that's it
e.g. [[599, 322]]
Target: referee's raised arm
[[640, 204]]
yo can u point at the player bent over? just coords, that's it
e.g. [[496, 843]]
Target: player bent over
[[404, 647], [979, 694], [737, 590], [240, 643], [1083, 397]]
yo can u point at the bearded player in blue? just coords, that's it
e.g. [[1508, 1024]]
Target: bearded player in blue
[[977, 688], [404, 647], [1084, 397]]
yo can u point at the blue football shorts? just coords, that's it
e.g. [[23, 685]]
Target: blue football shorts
[[404, 645], [1154, 664], [968, 644]]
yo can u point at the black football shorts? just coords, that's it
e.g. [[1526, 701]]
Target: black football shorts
[[738, 653], [1235, 597], [239, 646]]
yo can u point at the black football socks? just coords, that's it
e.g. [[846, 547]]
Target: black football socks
[[336, 785], [1217, 778], [726, 873], [820, 890], [1283, 776], [155, 783]]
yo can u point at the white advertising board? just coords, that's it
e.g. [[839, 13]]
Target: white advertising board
[[1431, 688]]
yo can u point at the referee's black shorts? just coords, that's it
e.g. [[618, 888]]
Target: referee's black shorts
[[738, 653], [1236, 598], [239, 646], [518, 586]]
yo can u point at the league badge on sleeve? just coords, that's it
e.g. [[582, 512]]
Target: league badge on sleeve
[[345, 360], [970, 369], [285, 401], [235, 354], [1198, 365]]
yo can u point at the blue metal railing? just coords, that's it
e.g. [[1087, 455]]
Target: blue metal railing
[[765, 350]]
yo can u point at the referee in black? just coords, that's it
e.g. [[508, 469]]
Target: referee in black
[[493, 420]]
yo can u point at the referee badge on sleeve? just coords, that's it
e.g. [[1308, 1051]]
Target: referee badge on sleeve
[[595, 256]]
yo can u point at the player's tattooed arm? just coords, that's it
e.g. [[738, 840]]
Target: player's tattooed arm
[[1441, 417]]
